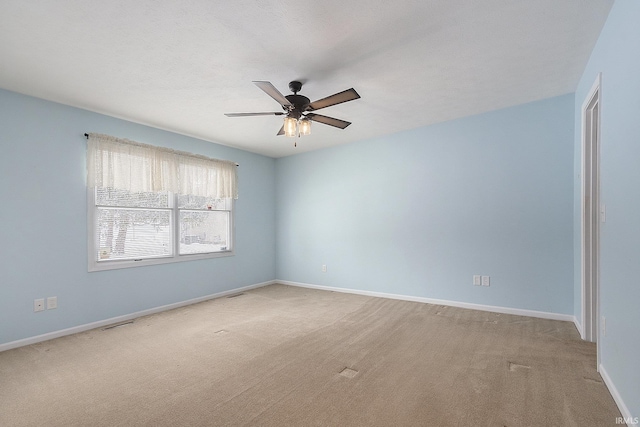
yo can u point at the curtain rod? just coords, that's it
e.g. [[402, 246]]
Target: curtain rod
[[86, 135]]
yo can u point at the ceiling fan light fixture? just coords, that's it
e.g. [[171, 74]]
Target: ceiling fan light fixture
[[290, 126], [305, 126]]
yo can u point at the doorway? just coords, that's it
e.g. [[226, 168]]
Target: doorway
[[591, 214]]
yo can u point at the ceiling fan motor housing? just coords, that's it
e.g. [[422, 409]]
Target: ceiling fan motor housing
[[299, 105]]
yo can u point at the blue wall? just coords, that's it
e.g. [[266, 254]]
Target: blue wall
[[617, 56], [420, 212], [44, 228]]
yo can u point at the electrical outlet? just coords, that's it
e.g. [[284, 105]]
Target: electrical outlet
[[324, 268], [476, 280], [52, 302], [38, 304], [486, 281]]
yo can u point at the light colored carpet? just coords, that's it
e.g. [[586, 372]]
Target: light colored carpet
[[275, 356]]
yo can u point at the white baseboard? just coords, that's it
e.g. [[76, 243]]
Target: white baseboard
[[626, 414], [491, 308], [124, 318], [578, 327]]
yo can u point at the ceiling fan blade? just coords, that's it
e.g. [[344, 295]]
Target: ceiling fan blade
[[271, 90], [328, 120], [338, 98], [253, 114], [281, 131]]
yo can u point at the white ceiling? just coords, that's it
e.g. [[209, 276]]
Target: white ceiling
[[179, 65]]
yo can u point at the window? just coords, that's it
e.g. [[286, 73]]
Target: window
[[150, 205]]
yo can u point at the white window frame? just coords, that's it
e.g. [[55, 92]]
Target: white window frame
[[95, 265], [131, 166]]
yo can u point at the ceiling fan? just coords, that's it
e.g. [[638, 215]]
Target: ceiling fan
[[298, 109]]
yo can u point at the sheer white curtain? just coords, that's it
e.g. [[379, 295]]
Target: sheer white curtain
[[128, 165]]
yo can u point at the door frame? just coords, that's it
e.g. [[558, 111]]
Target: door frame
[[590, 239]]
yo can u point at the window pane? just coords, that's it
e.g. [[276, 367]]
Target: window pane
[[133, 233], [204, 231], [124, 198], [199, 202]]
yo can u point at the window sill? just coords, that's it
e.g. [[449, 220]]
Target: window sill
[[117, 265]]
